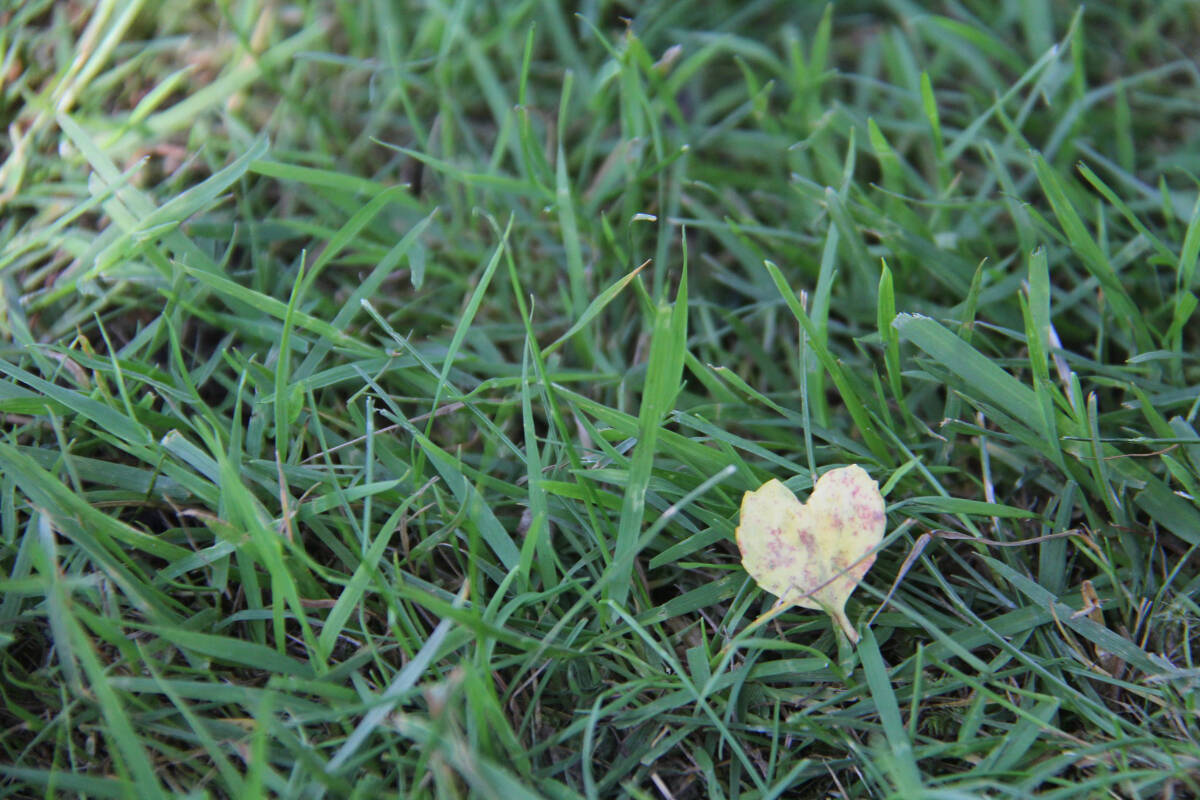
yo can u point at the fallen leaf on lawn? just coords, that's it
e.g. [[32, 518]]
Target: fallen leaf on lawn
[[813, 554]]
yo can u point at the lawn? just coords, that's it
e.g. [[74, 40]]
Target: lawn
[[381, 382]]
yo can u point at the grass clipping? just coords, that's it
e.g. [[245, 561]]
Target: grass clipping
[[813, 554]]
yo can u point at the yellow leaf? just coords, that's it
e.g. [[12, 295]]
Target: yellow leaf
[[813, 554]]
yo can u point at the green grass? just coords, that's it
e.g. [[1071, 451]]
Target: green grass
[[380, 386]]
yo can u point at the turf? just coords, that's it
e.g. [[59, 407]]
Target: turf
[[380, 383]]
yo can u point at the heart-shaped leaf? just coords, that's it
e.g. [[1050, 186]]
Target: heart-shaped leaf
[[813, 554]]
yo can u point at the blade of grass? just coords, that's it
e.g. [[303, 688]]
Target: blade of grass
[[664, 371]]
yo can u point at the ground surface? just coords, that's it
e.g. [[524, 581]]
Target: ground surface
[[348, 453]]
